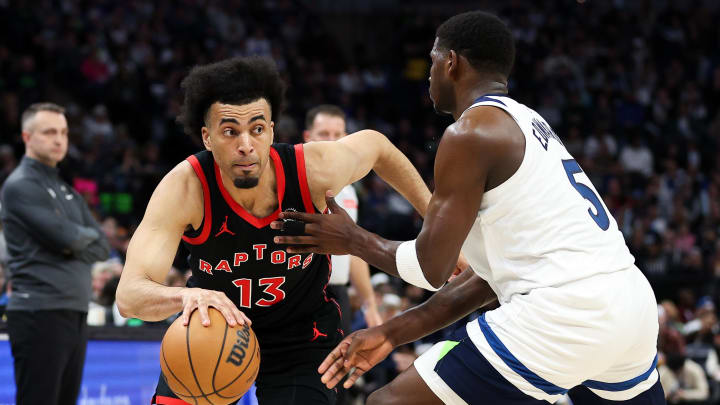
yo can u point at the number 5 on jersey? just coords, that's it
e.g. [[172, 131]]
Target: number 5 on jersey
[[600, 217], [271, 287]]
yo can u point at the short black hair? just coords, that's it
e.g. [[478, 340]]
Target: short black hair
[[239, 80], [482, 38], [327, 109]]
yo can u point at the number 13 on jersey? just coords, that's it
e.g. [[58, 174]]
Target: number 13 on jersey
[[271, 286], [600, 216]]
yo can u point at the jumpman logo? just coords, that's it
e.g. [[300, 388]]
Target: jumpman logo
[[316, 332], [224, 228]]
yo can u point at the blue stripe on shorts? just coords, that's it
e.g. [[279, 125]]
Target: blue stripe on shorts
[[541, 383], [474, 379]]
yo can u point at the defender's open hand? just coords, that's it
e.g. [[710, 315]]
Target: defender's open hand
[[324, 233], [354, 356]]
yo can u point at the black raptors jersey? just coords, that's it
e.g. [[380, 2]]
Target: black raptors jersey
[[283, 294]]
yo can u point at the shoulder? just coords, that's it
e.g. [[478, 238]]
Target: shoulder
[[484, 121], [181, 181], [488, 129], [19, 182], [178, 198]]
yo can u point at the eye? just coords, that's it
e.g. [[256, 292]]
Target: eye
[[228, 132], [258, 129]]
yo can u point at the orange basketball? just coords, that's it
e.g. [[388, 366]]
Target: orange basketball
[[209, 365]]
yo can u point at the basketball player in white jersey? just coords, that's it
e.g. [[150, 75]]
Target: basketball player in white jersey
[[575, 313], [327, 123]]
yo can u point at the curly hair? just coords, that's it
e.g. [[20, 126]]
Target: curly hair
[[239, 80], [482, 38]]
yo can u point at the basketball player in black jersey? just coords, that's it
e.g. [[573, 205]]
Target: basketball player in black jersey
[[220, 203]]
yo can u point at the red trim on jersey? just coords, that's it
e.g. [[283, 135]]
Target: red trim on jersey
[[161, 400], [329, 260], [302, 178], [207, 219], [240, 211]]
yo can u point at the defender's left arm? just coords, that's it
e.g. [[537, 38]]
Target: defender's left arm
[[333, 165], [469, 151]]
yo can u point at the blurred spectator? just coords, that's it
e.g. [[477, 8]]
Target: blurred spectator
[[637, 157], [98, 126], [683, 380], [52, 240]]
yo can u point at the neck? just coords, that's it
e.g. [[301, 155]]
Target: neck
[[260, 200], [466, 95], [46, 162]]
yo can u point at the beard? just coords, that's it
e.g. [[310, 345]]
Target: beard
[[246, 182]]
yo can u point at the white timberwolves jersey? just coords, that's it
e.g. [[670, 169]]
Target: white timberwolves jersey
[[546, 225], [347, 199]]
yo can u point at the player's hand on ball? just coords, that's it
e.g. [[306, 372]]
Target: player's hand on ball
[[201, 299], [324, 233], [354, 356]]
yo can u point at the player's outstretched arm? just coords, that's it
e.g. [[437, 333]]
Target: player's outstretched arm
[[333, 165], [467, 152], [362, 350], [175, 204]]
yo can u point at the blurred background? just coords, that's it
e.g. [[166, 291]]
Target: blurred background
[[632, 87]]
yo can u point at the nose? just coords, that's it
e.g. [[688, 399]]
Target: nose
[[244, 144]]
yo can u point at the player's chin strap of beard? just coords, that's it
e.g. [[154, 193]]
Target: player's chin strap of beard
[[409, 268], [293, 227]]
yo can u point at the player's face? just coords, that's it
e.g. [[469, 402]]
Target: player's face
[[440, 89], [326, 128], [239, 137], [46, 137]]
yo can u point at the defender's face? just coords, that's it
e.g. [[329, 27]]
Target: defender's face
[[239, 137], [326, 128], [46, 137], [440, 89]]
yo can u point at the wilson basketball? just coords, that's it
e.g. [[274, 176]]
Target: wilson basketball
[[209, 365]]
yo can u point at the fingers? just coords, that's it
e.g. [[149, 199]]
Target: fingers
[[230, 316], [334, 374], [280, 225], [335, 354], [331, 203], [187, 310], [355, 373], [201, 299], [295, 240], [301, 216], [245, 319], [306, 249], [203, 310]]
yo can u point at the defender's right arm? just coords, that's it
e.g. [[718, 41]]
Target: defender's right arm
[[362, 350], [176, 203]]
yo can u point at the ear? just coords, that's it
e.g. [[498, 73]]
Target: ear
[[306, 136], [453, 63], [26, 136], [272, 132], [206, 138]]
